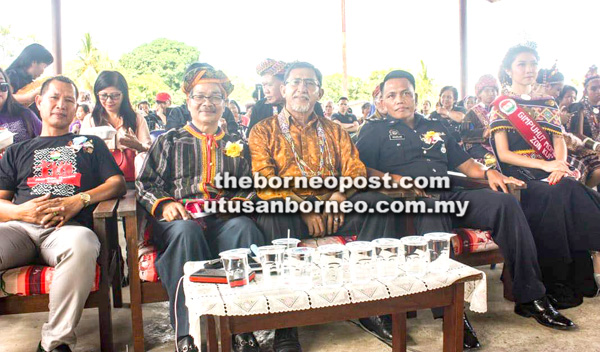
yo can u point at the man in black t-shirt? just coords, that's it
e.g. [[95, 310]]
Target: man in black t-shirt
[[47, 188], [347, 120]]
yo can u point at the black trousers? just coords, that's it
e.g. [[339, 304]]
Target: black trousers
[[181, 241], [367, 226], [501, 213], [564, 222], [563, 218]]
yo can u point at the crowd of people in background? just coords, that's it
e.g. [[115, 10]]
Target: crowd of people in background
[[168, 153]]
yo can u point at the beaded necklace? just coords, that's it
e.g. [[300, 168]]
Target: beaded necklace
[[323, 148]]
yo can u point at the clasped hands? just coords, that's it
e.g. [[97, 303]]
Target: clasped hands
[[50, 212]]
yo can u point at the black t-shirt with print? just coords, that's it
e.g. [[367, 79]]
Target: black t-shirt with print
[[63, 166]]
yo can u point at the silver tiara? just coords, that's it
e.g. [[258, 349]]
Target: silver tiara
[[529, 44]]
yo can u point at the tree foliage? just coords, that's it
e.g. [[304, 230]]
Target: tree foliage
[[159, 66], [242, 92], [332, 85], [425, 87], [360, 89], [145, 87], [162, 57], [89, 63]]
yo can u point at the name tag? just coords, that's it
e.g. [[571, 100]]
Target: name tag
[[395, 135]]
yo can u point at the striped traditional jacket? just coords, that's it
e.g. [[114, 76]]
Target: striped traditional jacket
[[182, 164]]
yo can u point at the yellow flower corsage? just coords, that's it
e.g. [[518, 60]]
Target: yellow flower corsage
[[432, 137], [234, 149]]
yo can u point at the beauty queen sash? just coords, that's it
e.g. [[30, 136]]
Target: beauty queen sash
[[527, 127]]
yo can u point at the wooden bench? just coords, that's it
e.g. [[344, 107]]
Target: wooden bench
[[105, 227]]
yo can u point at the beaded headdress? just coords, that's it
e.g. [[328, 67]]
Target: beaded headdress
[[591, 74], [270, 66]]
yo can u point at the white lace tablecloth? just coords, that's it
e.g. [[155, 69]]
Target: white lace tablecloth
[[221, 300]]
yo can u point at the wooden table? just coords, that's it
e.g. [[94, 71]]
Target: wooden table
[[451, 298]]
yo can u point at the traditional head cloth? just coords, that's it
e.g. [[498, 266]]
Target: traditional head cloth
[[551, 75], [272, 67], [201, 75], [591, 74], [377, 91], [486, 81]]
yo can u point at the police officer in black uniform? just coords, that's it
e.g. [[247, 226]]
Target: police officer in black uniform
[[407, 144]]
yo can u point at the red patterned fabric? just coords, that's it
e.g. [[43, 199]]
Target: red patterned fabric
[[32, 280], [147, 257], [472, 240]]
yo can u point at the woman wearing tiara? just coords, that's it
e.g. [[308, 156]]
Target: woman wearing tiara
[[528, 141]]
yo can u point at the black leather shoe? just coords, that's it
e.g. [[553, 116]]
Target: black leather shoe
[[286, 340], [470, 340], [544, 313], [186, 344], [379, 324], [61, 348], [245, 342]]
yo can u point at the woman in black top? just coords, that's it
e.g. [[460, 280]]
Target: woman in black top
[[29, 65]]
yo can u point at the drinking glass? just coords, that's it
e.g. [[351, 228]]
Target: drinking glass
[[237, 270], [287, 242], [331, 260], [361, 261], [300, 267], [438, 244], [415, 255], [388, 257], [271, 260]]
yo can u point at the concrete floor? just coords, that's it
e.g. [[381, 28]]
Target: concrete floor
[[499, 330]]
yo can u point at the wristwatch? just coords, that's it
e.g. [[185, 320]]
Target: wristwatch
[[485, 173], [85, 198]]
